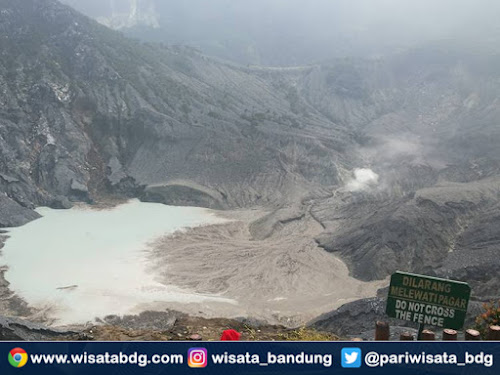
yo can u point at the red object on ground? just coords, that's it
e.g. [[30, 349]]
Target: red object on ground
[[230, 335]]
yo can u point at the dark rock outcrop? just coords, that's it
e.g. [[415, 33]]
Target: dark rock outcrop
[[178, 194], [12, 214], [154, 320], [357, 319], [13, 329]]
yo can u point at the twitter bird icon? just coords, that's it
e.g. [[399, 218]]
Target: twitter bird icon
[[351, 358]]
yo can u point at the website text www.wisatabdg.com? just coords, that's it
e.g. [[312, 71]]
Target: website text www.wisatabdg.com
[[141, 360]]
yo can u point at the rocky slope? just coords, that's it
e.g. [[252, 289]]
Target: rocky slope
[[426, 122], [429, 126], [87, 114], [86, 111]]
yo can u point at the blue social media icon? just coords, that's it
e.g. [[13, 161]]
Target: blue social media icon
[[351, 358]]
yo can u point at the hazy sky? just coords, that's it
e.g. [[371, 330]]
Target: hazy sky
[[306, 27], [410, 13]]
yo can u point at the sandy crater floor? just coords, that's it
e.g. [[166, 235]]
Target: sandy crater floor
[[285, 278]]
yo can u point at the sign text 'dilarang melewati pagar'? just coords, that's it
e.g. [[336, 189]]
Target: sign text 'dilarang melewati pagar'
[[428, 300]]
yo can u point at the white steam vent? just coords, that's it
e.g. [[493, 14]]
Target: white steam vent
[[364, 179]]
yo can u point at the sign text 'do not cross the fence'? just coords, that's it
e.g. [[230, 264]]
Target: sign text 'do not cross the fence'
[[428, 300]]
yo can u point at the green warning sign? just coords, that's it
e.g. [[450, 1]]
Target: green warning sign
[[428, 300]]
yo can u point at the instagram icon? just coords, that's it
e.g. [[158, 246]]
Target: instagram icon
[[197, 357]]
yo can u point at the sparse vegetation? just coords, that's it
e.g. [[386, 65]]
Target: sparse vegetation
[[307, 334], [185, 327], [491, 316]]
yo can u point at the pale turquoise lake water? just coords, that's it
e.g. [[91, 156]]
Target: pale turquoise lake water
[[102, 252]]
